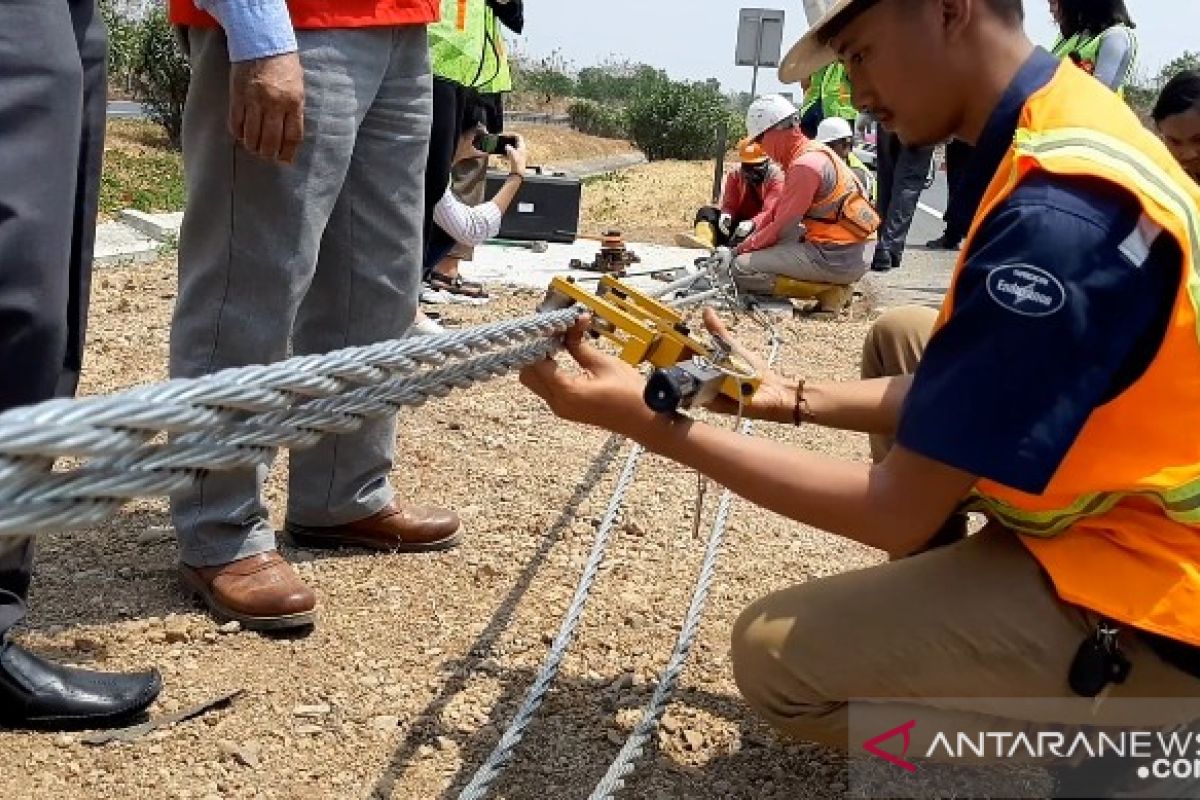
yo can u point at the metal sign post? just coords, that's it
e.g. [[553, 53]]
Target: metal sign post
[[759, 40]]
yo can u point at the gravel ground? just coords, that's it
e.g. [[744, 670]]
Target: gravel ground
[[418, 661]]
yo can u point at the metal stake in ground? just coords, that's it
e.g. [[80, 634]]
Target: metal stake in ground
[[634, 747]]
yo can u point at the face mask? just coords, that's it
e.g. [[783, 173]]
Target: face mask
[[780, 144], [755, 173]]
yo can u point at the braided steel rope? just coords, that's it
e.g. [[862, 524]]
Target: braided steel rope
[[494, 764], [235, 418], [635, 744]]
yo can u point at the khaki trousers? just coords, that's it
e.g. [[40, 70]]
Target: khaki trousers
[[947, 636]]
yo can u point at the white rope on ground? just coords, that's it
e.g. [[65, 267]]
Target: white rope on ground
[[634, 747], [235, 418], [492, 766]]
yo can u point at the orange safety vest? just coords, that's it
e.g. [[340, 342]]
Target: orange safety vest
[[329, 13], [1118, 527], [844, 214]]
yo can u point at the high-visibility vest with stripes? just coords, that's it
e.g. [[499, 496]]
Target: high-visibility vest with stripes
[[1083, 50], [1118, 527], [830, 86], [457, 43], [308, 14]]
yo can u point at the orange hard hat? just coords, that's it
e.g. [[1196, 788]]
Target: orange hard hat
[[751, 152]]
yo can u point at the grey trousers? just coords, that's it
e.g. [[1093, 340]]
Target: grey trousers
[[902, 174], [319, 255], [756, 271], [52, 110]]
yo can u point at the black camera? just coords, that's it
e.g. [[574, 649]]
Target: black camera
[[494, 143]]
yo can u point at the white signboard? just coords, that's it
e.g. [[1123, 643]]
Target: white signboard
[[760, 37]]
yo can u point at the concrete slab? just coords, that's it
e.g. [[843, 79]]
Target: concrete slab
[[162, 227], [923, 278], [117, 243], [518, 266]]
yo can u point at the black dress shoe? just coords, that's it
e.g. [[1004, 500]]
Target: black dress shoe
[[35, 693], [943, 242], [884, 261]]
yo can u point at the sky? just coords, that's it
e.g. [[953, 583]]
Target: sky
[[695, 39]]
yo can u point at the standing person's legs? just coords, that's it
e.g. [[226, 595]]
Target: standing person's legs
[[366, 284], [887, 152], [908, 182], [248, 250], [448, 105], [52, 110], [957, 218], [41, 101]]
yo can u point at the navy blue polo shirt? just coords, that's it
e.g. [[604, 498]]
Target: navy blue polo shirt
[[1055, 313]]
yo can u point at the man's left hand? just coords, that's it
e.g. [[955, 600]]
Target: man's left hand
[[606, 393]]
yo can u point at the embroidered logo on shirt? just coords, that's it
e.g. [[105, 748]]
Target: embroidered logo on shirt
[[1025, 290]]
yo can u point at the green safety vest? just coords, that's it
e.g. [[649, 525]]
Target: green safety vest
[[831, 87], [863, 174], [1085, 51], [457, 42], [496, 76]]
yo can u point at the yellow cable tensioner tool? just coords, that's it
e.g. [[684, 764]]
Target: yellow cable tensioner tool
[[688, 373]]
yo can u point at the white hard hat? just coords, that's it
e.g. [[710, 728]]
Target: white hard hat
[[765, 111], [833, 129]]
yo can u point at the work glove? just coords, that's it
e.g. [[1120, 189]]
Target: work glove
[[725, 224], [742, 232]]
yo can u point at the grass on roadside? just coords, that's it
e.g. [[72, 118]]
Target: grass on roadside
[[140, 170]]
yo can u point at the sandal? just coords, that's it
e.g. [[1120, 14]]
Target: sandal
[[456, 285]]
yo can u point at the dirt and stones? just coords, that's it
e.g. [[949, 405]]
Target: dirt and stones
[[418, 661]]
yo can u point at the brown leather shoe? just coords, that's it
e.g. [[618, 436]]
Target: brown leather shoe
[[262, 592], [395, 529]]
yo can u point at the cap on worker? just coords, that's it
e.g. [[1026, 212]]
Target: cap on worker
[[833, 129], [810, 53], [751, 152], [766, 111]]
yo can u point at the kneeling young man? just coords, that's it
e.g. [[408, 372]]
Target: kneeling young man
[[1058, 392]]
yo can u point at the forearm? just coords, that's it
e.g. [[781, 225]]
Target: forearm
[[849, 499], [508, 192]]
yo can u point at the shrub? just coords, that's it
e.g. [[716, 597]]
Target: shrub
[[680, 120], [597, 119], [124, 42], [162, 74]]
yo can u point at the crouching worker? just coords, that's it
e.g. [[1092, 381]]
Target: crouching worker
[[817, 241], [1051, 395], [748, 201]]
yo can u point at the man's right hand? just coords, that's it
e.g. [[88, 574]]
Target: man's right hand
[[266, 106], [518, 157], [774, 399]]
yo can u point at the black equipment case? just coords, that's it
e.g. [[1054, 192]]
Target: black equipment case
[[546, 207]]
